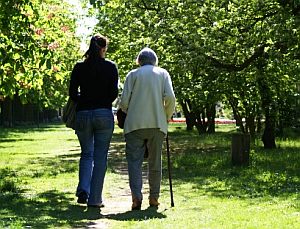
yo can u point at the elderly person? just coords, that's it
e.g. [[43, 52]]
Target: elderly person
[[149, 101]]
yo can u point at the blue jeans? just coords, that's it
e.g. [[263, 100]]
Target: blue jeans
[[94, 129]]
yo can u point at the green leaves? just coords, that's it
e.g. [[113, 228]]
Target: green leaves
[[214, 50], [38, 49], [48, 64], [92, 2]]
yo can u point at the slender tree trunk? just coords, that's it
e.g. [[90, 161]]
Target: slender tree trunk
[[211, 115], [189, 116], [1, 113], [259, 124], [31, 113], [250, 126], [237, 116], [18, 110], [201, 123], [268, 136], [202, 118], [190, 121], [206, 119], [7, 112]]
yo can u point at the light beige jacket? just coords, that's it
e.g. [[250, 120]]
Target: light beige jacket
[[148, 99]]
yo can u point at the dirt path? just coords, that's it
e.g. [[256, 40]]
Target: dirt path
[[117, 199], [117, 207]]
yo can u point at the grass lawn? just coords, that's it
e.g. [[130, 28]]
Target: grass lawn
[[38, 178]]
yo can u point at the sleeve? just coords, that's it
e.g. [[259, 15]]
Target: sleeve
[[169, 97], [114, 85], [74, 83], [126, 93]]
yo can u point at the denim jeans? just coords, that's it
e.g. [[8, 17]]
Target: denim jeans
[[135, 148], [94, 129]]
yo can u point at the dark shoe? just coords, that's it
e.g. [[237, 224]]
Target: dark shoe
[[96, 205], [153, 202], [82, 198], [136, 204]]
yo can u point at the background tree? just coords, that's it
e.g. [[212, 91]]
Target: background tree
[[38, 49], [238, 51], [242, 53]]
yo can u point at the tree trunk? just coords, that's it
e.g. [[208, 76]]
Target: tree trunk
[[201, 124], [211, 115], [236, 114], [268, 136], [190, 118], [1, 113], [250, 126], [30, 113], [7, 112], [190, 121], [259, 124], [203, 118]]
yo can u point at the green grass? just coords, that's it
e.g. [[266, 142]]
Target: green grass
[[38, 178]]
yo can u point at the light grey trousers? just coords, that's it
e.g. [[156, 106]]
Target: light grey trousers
[[135, 148]]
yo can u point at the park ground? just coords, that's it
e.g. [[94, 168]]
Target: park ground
[[38, 178]]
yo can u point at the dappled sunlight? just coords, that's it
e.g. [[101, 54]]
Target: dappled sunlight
[[40, 188], [51, 208], [289, 143], [219, 178], [206, 166]]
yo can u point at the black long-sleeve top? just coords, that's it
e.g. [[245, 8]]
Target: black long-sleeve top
[[94, 84]]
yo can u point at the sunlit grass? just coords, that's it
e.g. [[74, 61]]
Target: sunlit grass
[[38, 178]]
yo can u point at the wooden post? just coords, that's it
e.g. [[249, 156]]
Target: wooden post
[[240, 149]]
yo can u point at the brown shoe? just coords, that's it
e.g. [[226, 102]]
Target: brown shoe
[[153, 202], [136, 204]]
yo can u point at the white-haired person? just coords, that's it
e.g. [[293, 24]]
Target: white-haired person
[[149, 101]]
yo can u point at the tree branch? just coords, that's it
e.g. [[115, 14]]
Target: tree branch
[[256, 20], [144, 6], [237, 67]]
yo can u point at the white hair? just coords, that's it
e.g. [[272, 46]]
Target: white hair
[[147, 56]]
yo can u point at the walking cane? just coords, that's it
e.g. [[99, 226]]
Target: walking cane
[[169, 170]]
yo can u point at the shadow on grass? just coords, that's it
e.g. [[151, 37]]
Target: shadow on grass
[[141, 215], [29, 128], [16, 140], [271, 173], [52, 210], [204, 161]]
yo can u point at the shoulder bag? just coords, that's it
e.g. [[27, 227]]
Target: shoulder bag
[[69, 114]]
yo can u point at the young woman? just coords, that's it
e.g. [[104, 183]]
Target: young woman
[[94, 86]]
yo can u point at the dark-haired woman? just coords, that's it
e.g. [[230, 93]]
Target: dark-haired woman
[[94, 86]]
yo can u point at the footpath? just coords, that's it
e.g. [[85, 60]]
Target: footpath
[[117, 195]]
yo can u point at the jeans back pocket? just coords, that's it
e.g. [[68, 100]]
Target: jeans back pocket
[[103, 123]]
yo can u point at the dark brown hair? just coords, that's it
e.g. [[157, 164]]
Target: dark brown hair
[[97, 42]]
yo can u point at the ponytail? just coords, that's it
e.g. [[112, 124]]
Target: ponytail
[[96, 44]]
